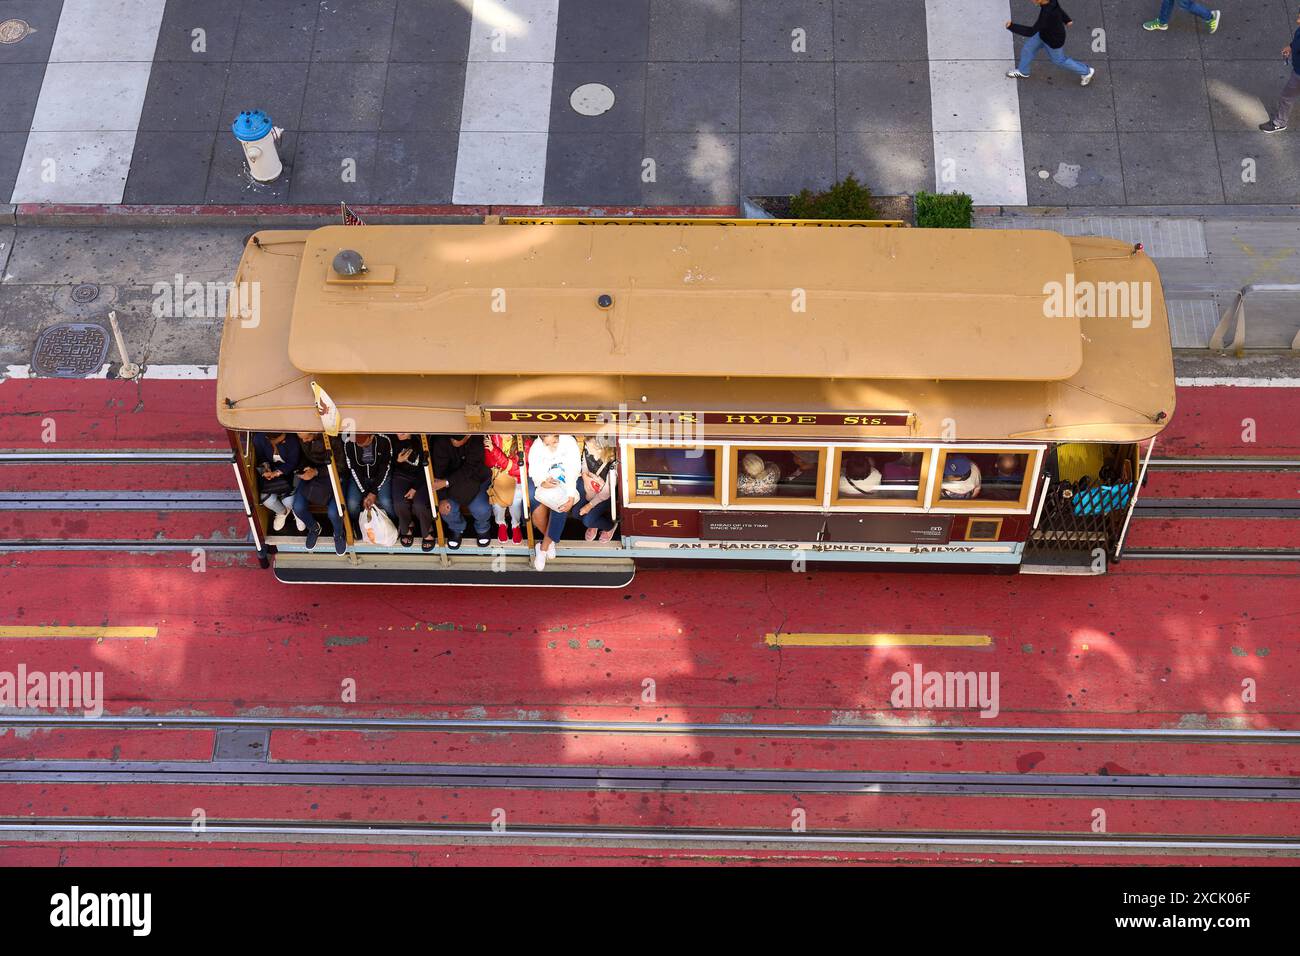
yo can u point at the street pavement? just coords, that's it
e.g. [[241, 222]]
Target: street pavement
[[636, 102]]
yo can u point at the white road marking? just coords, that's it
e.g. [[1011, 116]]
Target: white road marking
[[506, 112], [975, 109], [160, 372], [83, 133]]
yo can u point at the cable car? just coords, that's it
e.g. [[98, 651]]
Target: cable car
[[779, 397]]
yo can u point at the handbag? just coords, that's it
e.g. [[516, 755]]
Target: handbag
[[275, 486], [502, 491], [378, 528]]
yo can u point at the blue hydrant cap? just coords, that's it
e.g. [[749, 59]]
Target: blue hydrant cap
[[251, 125]]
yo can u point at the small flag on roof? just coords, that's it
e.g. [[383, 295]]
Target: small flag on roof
[[326, 409], [349, 217]]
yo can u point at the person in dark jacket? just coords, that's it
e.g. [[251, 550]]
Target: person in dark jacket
[[315, 489], [370, 466], [277, 461], [410, 497], [1048, 32], [1291, 91], [462, 476]]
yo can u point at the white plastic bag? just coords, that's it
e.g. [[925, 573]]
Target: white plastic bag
[[378, 528], [553, 497]]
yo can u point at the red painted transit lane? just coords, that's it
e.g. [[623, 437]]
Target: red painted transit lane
[[1161, 644]]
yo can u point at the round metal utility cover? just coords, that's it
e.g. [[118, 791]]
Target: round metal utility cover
[[349, 263], [592, 99], [85, 293], [70, 350], [11, 31]]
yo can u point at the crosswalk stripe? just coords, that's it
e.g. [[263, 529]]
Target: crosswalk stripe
[[82, 136], [506, 112], [975, 109]]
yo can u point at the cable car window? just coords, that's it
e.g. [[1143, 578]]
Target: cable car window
[[986, 477], [784, 473], [880, 476], [678, 475]]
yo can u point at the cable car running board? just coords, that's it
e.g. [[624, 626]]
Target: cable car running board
[[469, 570]]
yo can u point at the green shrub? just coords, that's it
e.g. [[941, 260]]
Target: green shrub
[[944, 210], [847, 199]]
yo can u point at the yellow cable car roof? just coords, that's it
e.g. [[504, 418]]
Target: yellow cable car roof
[[689, 302]]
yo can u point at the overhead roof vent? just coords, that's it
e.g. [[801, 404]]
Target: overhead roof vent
[[349, 263]]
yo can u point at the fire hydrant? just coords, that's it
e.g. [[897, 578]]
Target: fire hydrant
[[259, 138]]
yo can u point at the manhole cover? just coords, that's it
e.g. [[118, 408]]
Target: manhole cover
[[84, 293], [70, 350], [11, 31], [592, 99]]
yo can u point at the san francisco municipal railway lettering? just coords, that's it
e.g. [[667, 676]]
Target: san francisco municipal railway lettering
[[818, 547], [644, 418]]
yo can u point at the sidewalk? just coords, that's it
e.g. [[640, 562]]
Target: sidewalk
[[640, 102]]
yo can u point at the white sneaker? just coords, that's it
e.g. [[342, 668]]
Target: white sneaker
[[539, 561], [280, 521], [1092, 71], [302, 525], [550, 551], [1017, 75]]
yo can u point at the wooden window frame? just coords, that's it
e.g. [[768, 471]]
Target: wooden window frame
[[631, 499], [1022, 505], [915, 504], [776, 502]]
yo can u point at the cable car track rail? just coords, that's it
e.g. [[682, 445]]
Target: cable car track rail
[[496, 725], [214, 831]]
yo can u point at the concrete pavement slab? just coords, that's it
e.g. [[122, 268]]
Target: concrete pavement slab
[[183, 97], [21, 83], [343, 97], [1082, 169], [1258, 170], [774, 164], [216, 22], [787, 97], [107, 31], [284, 31], [178, 166], [1053, 102], [1159, 96], [696, 168], [692, 97], [690, 31], [427, 32], [797, 30], [1171, 168], [423, 97], [1126, 40], [882, 96], [414, 167], [74, 167], [1249, 31], [1243, 92], [354, 30], [334, 167], [602, 167], [892, 163], [595, 30], [879, 30]]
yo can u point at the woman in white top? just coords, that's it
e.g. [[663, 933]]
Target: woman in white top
[[554, 464]]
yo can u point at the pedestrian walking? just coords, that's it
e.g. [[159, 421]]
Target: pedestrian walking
[[1161, 22], [1290, 92], [1048, 32]]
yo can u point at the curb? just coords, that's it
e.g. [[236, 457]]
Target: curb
[[1149, 212], [297, 216]]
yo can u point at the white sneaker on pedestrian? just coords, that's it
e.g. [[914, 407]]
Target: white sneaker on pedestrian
[[539, 560], [1087, 77], [302, 525], [1017, 75], [279, 522]]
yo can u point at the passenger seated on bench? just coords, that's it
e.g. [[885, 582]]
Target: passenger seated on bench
[[554, 463], [506, 493], [599, 472], [757, 478], [961, 478], [370, 466], [859, 476], [462, 476], [315, 490], [277, 459], [411, 494]]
